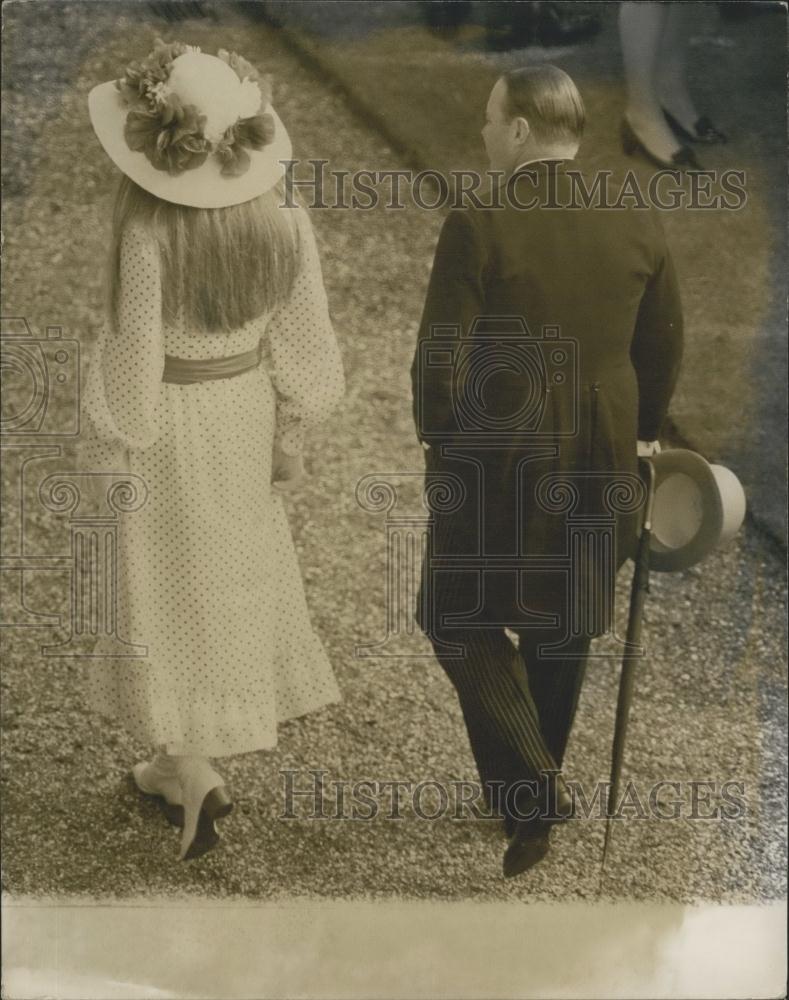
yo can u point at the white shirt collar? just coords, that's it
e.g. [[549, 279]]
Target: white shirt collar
[[539, 159]]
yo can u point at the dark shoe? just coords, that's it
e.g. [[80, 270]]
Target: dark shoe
[[683, 159], [527, 847], [703, 131]]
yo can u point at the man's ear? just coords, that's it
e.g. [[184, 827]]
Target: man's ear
[[522, 129]]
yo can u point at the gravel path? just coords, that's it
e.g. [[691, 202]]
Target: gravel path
[[711, 695]]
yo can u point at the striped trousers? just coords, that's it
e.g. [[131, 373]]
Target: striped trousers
[[518, 708]]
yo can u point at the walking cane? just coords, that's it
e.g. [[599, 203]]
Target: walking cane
[[638, 592]]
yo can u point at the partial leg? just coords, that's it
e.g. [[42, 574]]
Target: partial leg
[[672, 68], [555, 685], [501, 718], [641, 27]]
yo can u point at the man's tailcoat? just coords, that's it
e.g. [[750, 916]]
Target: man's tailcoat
[[550, 342]]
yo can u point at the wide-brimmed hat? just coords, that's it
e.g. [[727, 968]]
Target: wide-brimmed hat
[[698, 507], [192, 128]]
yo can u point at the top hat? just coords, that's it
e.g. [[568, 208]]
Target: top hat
[[192, 128], [697, 508]]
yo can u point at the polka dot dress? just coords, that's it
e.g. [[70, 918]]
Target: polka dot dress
[[209, 580]]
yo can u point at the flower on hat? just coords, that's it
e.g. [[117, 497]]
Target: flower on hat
[[187, 105], [254, 133], [170, 137], [140, 79]]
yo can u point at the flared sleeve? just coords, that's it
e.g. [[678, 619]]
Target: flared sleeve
[[307, 371], [125, 378]]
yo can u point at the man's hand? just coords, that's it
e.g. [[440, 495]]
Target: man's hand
[[287, 471], [646, 449]]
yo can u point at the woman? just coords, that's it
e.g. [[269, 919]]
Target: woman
[[218, 350]]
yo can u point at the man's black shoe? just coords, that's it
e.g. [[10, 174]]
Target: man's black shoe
[[528, 845]]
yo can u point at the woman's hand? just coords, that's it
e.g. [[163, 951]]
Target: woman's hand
[[646, 449], [287, 471]]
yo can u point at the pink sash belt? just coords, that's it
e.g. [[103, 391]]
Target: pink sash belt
[[186, 371]]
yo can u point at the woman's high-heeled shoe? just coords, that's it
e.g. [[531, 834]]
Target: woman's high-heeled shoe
[[703, 130], [205, 799], [192, 796], [683, 159]]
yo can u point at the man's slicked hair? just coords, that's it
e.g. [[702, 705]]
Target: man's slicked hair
[[549, 101]]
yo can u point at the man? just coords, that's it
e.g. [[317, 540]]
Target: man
[[548, 352]]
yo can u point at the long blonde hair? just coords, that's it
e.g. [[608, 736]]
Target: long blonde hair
[[222, 266]]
